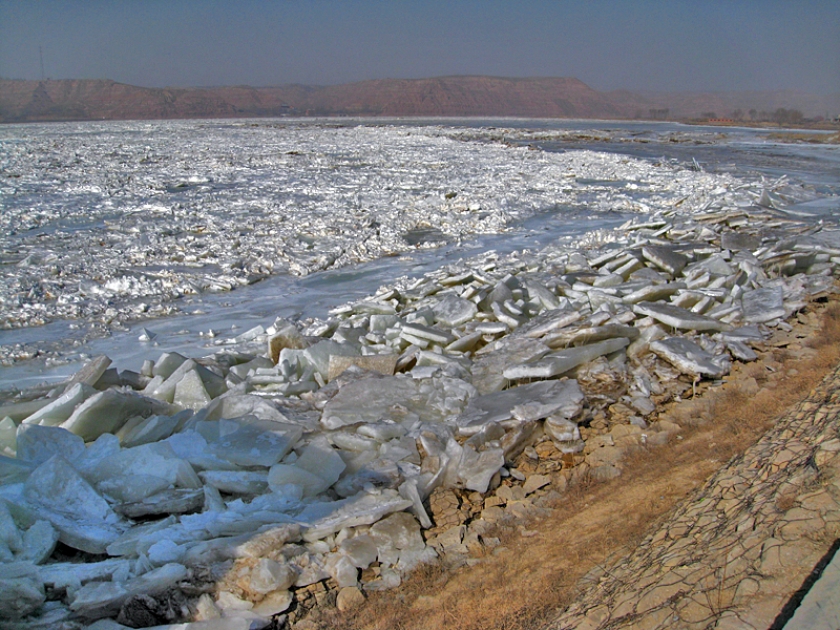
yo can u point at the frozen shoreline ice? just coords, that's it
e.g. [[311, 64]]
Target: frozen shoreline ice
[[114, 222]]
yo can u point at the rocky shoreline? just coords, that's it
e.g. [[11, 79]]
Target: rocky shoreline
[[311, 464]]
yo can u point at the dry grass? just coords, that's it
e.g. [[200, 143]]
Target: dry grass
[[524, 585]]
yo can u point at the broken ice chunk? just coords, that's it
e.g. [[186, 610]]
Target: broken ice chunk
[[21, 590], [9, 532], [153, 429], [57, 486], [367, 400], [317, 468], [429, 334], [57, 493], [591, 334], [763, 305], [258, 443], [39, 542], [452, 311], [561, 362], [395, 534], [62, 407], [107, 411], [666, 259], [382, 363], [90, 373], [360, 550], [101, 599], [323, 519], [236, 482], [37, 443], [8, 436], [13, 470], [739, 242], [476, 469], [133, 474], [488, 369], [318, 355], [562, 429], [200, 383], [190, 392], [321, 459], [168, 501], [653, 292], [532, 401], [677, 317], [740, 350], [689, 358], [167, 364]]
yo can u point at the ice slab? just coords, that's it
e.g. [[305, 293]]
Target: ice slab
[[367, 400], [13, 470], [318, 355], [8, 437], [132, 474], [101, 599], [39, 542], [525, 403], [90, 373], [381, 363], [690, 358], [558, 363], [58, 494], [236, 482], [62, 407], [190, 392], [452, 311], [763, 305], [168, 501], [361, 550], [654, 292], [258, 443], [322, 519], [591, 334], [489, 366], [319, 458], [37, 443], [282, 475], [681, 318], [395, 535], [60, 575], [153, 429], [10, 535], [200, 383], [477, 468], [107, 411], [21, 590], [666, 259]]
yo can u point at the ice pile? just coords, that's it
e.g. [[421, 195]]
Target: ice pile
[[309, 452], [112, 222]]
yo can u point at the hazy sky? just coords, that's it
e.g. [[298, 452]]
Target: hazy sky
[[634, 44]]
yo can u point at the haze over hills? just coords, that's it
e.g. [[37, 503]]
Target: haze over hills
[[85, 99]]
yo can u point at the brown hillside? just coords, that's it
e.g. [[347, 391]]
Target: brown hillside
[[24, 101]]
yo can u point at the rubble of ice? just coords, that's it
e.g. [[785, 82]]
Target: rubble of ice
[[313, 451]]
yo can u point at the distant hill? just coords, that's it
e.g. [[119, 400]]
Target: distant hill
[[85, 99]]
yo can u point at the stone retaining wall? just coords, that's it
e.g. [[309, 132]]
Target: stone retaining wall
[[731, 556]]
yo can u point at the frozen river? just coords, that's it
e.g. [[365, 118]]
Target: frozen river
[[198, 231]]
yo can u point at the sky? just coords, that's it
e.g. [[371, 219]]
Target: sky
[[642, 45]]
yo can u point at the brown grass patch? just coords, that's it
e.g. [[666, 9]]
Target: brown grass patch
[[524, 584]]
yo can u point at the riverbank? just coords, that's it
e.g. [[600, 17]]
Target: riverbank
[[604, 553]]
